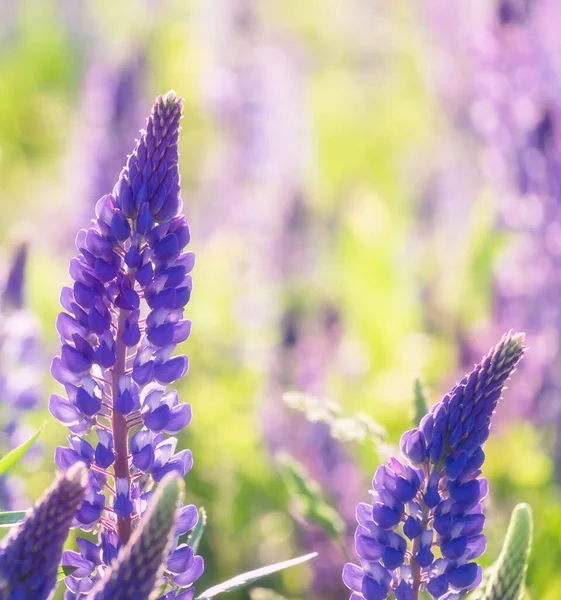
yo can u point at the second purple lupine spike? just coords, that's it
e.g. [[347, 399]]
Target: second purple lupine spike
[[433, 496], [122, 322]]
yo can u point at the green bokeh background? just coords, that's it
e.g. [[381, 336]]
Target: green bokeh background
[[377, 126]]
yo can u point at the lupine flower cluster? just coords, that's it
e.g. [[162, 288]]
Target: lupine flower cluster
[[20, 365], [431, 498], [30, 554], [122, 321]]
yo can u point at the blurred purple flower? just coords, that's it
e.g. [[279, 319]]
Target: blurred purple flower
[[21, 361], [115, 363], [310, 334], [255, 86], [432, 499], [112, 112], [497, 69]]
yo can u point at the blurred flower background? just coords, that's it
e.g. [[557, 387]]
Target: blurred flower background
[[374, 194]]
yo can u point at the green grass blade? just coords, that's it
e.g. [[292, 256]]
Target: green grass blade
[[10, 459], [251, 576], [12, 517]]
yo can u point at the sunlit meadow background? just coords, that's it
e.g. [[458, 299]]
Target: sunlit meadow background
[[326, 172]]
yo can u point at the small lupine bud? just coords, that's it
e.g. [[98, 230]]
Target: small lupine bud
[[30, 554], [142, 561], [508, 573]]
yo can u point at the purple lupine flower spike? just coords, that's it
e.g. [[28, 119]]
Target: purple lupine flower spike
[[122, 322], [30, 554], [433, 496], [141, 563], [13, 293]]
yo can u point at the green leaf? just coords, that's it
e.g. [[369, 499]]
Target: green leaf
[[306, 494], [13, 517], [358, 428], [420, 408], [195, 538], [504, 580], [10, 459], [247, 578]]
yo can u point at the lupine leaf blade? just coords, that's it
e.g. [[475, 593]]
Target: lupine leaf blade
[[308, 497], [12, 517], [420, 407], [14, 456], [246, 578], [359, 428], [506, 577]]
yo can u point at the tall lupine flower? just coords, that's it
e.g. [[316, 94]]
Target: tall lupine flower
[[20, 364], [123, 319], [30, 554], [431, 498]]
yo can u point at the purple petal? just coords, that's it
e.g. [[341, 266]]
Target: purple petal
[[65, 411], [66, 457], [73, 360], [158, 419], [352, 577], [162, 335], [180, 417], [172, 370], [126, 403], [144, 373], [144, 459], [191, 575], [67, 326], [104, 457], [123, 506], [187, 518], [88, 513], [120, 227], [83, 567], [89, 405], [179, 560], [144, 221]]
